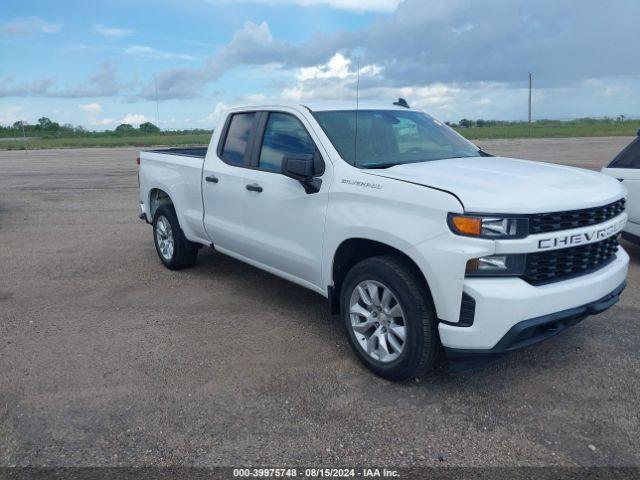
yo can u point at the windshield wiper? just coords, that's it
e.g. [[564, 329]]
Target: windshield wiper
[[380, 165]]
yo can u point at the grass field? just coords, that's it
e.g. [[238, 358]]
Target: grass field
[[106, 141], [553, 129], [540, 129]]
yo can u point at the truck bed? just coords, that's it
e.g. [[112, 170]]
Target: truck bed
[[198, 152]]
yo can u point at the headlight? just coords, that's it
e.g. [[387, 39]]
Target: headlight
[[488, 226], [492, 265]]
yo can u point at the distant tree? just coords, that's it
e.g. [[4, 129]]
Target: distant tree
[[19, 124], [148, 127], [125, 128], [47, 125], [464, 123], [44, 123], [481, 123]]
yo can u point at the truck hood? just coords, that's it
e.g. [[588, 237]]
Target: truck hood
[[509, 185]]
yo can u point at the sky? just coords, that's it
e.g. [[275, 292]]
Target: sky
[[179, 64]]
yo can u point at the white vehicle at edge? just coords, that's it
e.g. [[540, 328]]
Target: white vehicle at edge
[[421, 241], [626, 168]]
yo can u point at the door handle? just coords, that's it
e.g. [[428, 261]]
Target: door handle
[[254, 187], [211, 179]]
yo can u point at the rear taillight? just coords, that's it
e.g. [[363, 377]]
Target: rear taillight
[[138, 161]]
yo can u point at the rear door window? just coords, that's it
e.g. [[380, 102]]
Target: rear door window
[[239, 135], [629, 157]]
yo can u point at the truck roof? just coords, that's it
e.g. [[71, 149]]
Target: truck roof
[[351, 105], [329, 106]]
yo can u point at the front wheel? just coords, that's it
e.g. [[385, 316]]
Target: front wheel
[[174, 250], [389, 318]]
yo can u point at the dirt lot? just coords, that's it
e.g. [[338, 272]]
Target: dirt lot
[[107, 358]]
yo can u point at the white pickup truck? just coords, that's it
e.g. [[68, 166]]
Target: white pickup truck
[[626, 168], [421, 241]]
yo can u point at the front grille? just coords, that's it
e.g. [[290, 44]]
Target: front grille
[[554, 222], [556, 265]]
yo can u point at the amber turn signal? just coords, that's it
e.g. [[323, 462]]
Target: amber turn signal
[[467, 225]]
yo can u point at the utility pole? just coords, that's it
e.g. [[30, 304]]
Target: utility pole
[[24, 135], [529, 103], [529, 97], [155, 80]]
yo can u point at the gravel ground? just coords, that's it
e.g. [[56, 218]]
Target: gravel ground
[[107, 358]]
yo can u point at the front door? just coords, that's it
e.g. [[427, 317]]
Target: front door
[[284, 224]]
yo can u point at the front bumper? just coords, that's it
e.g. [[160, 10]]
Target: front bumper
[[535, 330], [501, 304]]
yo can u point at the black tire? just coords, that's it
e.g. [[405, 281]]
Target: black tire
[[422, 348], [185, 252]]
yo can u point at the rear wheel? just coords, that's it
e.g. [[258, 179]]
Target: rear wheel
[[389, 318], [174, 250]]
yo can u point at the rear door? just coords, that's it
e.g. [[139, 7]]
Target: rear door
[[284, 224], [223, 182]]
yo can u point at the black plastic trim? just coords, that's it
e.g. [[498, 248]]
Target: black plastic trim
[[530, 332], [467, 310], [197, 152], [333, 300]]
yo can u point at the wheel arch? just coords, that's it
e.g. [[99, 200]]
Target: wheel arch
[[354, 250], [157, 197]]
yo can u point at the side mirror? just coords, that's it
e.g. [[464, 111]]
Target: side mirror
[[638, 132], [302, 168], [298, 167]]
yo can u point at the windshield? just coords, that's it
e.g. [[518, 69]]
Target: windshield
[[391, 137]]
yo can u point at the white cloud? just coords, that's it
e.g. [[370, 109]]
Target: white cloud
[[255, 98], [336, 67], [333, 80], [28, 26], [429, 96], [112, 32], [134, 119], [11, 114], [610, 91], [91, 108], [102, 122], [461, 29], [214, 117], [350, 5], [145, 51]]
